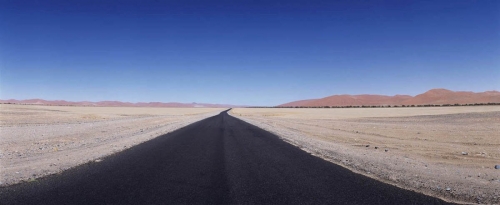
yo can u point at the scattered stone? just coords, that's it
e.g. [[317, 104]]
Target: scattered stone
[[367, 145], [497, 166], [376, 147], [465, 153], [448, 189], [386, 150], [98, 160]]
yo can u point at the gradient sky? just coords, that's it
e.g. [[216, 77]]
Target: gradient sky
[[245, 52]]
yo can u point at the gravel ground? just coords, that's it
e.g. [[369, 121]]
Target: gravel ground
[[40, 140], [450, 156], [220, 160]]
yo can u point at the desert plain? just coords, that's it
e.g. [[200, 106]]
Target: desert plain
[[446, 152], [41, 140]]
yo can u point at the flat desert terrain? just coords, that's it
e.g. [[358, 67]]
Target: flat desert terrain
[[447, 152], [40, 140]]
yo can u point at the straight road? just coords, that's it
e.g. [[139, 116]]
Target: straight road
[[219, 160]]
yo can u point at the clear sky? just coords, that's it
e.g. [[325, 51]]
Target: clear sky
[[245, 52]]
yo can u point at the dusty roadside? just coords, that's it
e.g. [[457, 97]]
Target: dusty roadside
[[447, 153], [42, 140]]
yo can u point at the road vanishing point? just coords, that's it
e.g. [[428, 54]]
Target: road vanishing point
[[218, 160]]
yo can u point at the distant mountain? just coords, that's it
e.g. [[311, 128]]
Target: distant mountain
[[431, 97], [355, 100], [434, 97], [114, 103], [443, 96], [299, 103]]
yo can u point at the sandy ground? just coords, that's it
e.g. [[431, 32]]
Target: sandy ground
[[41, 140], [447, 152]]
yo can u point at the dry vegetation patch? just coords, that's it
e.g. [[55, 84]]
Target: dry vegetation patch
[[448, 152]]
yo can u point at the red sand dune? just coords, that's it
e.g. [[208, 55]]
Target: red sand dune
[[433, 97], [443, 96]]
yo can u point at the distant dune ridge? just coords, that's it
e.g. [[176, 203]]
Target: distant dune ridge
[[114, 103], [431, 97]]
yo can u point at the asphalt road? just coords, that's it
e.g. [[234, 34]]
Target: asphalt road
[[219, 160]]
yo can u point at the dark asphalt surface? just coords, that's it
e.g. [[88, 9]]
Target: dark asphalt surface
[[219, 160]]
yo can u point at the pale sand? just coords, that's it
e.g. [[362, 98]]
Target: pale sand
[[40, 140], [424, 145]]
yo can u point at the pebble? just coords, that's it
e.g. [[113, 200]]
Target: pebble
[[448, 189], [465, 153], [386, 150], [497, 166], [367, 145]]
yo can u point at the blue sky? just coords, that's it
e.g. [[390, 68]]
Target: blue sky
[[245, 52]]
